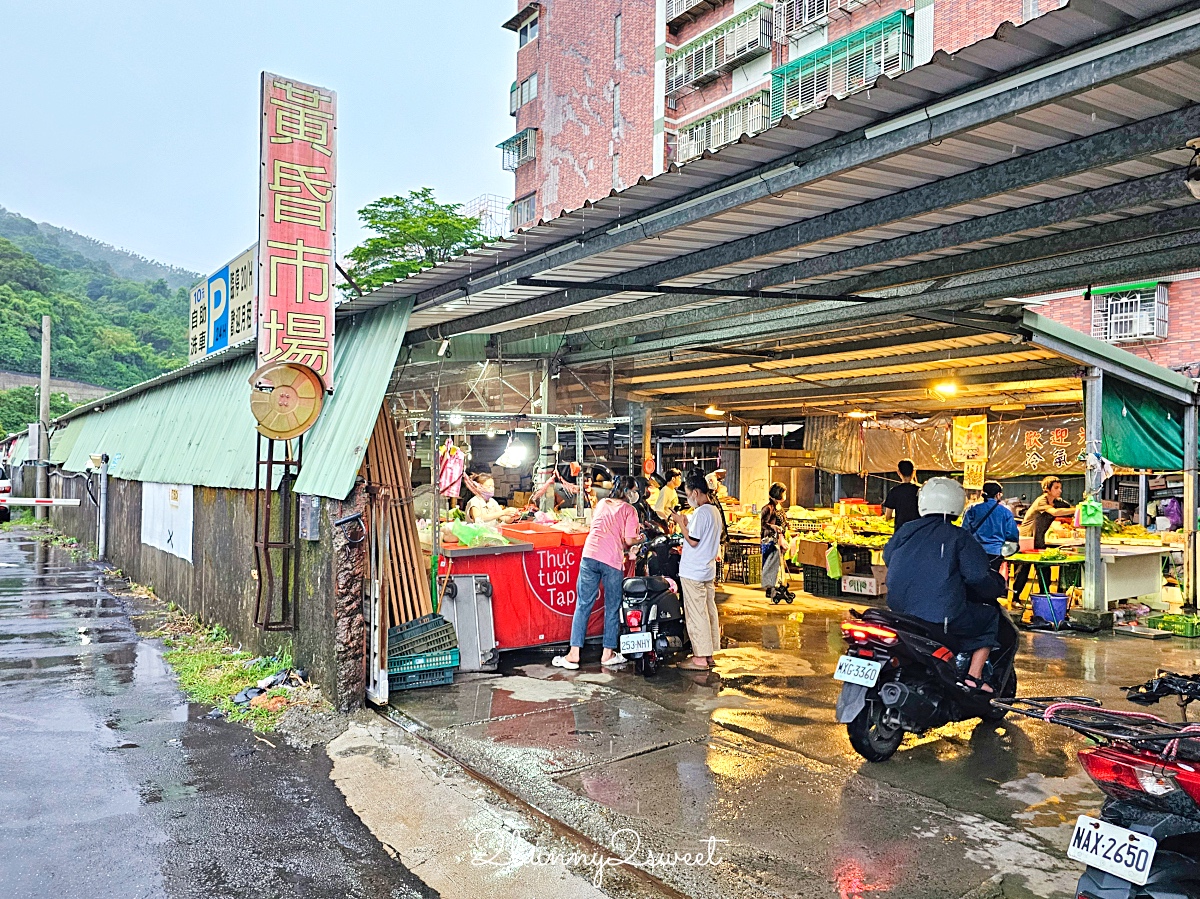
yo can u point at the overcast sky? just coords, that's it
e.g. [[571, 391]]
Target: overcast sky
[[136, 122]]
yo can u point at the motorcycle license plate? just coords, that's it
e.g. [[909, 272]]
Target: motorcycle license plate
[[863, 672], [1112, 849], [639, 642]]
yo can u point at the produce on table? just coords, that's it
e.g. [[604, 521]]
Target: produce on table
[[1052, 554]]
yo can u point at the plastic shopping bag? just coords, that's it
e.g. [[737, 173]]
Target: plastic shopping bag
[[833, 562]]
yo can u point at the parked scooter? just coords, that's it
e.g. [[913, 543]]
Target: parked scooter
[[1146, 842], [652, 625], [899, 676]]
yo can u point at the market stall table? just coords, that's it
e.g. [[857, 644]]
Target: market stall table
[[533, 590], [1043, 567], [1129, 572]]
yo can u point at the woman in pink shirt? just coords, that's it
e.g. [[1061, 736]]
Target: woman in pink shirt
[[615, 528]]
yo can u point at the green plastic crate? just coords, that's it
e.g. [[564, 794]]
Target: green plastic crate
[[1179, 625], [425, 661]]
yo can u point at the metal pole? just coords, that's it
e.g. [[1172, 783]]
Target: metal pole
[[1093, 396], [579, 505], [102, 530], [435, 412], [1189, 503], [1143, 498], [546, 438], [647, 442], [43, 469]]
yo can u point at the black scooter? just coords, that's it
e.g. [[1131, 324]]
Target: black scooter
[[652, 626], [898, 675], [1146, 842]]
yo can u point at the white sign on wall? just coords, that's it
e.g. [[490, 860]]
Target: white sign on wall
[[167, 518]]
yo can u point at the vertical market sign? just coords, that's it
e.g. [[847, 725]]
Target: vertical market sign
[[296, 225], [221, 308]]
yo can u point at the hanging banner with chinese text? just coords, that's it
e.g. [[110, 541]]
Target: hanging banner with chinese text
[[969, 438], [221, 308], [974, 473], [296, 225]]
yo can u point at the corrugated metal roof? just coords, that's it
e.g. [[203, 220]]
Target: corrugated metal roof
[[199, 430]]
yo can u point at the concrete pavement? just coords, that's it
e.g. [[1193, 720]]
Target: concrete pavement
[[751, 757]]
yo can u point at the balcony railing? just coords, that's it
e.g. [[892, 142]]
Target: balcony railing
[[843, 67], [730, 44], [747, 116], [519, 149]]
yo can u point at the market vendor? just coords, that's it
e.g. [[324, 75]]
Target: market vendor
[[1044, 511], [716, 484], [482, 508], [900, 505]]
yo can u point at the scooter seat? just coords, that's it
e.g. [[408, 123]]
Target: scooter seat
[[645, 586], [924, 628]]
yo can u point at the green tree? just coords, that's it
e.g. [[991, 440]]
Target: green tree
[[19, 407], [414, 232]]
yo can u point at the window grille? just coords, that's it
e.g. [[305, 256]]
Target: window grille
[[1130, 312], [747, 116], [520, 94], [677, 8], [843, 67], [523, 212], [617, 36], [519, 149], [730, 44], [794, 17]]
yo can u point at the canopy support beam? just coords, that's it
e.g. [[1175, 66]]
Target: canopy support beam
[[1189, 503], [1093, 573]]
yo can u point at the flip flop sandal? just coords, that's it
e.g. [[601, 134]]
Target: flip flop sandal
[[689, 665], [564, 662]]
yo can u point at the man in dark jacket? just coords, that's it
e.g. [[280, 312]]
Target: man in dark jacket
[[938, 573]]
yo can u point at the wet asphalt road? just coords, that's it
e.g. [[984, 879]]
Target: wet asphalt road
[[753, 755], [112, 785]]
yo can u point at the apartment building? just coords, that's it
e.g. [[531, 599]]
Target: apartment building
[[610, 91]]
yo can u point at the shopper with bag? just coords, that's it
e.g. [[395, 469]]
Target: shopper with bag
[[773, 527], [992, 524]]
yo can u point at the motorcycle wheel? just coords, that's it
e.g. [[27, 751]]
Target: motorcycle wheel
[[1008, 691], [649, 664], [870, 737], [790, 598]]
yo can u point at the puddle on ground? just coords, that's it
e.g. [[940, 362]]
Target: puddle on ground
[[750, 660]]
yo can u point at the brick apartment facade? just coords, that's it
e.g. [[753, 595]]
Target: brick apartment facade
[[610, 91]]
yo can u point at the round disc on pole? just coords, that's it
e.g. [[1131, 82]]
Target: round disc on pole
[[286, 399]]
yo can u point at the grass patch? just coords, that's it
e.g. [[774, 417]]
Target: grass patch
[[212, 671], [24, 520]]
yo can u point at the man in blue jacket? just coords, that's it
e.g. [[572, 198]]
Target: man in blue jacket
[[991, 523], [938, 573]]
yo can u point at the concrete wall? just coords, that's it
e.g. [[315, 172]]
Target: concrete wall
[[219, 585]]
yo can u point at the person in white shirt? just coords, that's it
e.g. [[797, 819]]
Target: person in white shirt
[[483, 508], [698, 573]]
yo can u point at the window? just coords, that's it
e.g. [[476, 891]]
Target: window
[[1130, 312], [722, 48], [616, 182], [746, 116], [617, 36], [520, 94], [528, 31], [616, 105], [523, 211]]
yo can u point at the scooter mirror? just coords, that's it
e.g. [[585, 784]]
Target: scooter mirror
[[1010, 548]]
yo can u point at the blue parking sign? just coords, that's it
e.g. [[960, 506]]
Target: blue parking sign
[[218, 310]]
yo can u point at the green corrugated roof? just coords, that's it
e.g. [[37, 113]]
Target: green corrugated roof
[[199, 430], [62, 440]]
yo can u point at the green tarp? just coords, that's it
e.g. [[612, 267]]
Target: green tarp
[[1141, 430]]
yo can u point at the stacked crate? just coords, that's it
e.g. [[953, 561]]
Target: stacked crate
[[422, 653]]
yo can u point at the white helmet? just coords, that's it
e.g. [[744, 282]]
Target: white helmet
[[941, 496]]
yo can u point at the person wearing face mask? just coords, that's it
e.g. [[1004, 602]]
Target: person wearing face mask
[[698, 573], [483, 508], [615, 529]]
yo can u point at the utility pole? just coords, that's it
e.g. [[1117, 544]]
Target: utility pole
[[43, 469]]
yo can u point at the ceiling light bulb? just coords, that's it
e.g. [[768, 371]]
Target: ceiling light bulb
[[442, 349], [859, 413], [456, 419], [713, 410], [946, 388]]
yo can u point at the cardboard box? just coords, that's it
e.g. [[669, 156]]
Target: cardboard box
[[862, 585], [812, 552]]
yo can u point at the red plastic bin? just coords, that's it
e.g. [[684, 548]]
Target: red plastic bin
[[574, 539]]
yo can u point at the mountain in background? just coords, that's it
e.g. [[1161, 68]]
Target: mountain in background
[[65, 249], [107, 329]]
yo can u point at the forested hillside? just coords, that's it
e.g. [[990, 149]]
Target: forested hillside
[[107, 330], [59, 247]]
